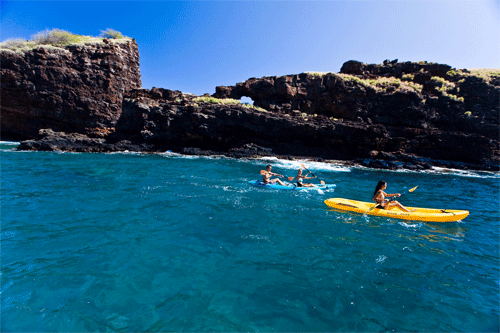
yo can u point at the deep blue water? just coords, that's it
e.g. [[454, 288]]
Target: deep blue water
[[130, 242]]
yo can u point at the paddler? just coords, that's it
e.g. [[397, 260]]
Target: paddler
[[300, 178], [383, 203], [266, 174]]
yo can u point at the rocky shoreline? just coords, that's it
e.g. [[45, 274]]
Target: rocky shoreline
[[391, 116], [60, 141], [75, 142]]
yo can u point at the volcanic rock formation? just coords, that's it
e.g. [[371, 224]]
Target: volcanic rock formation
[[78, 88], [393, 115]]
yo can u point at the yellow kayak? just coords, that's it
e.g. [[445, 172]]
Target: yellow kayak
[[420, 214]]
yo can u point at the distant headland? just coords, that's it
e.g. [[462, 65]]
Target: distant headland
[[67, 92]]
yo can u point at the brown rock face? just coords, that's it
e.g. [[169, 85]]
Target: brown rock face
[[164, 119], [421, 96], [395, 115], [424, 109], [76, 89]]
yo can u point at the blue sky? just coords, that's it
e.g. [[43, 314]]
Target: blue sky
[[195, 46]]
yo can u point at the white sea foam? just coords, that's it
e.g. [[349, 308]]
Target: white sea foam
[[340, 167], [441, 171], [313, 166], [8, 145], [466, 173], [126, 152], [410, 225]]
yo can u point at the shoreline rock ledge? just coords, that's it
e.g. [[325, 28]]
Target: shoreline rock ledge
[[87, 98]]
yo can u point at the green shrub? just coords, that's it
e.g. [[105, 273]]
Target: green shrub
[[351, 78], [255, 108], [111, 34], [213, 100], [318, 74], [408, 77], [57, 37], [442, 85], [382, 83], [14, 44], [454, 97], [487, 74], [226, 101], [17, 45], [415, 86]]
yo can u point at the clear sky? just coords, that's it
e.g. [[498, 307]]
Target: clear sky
[[195, 46]]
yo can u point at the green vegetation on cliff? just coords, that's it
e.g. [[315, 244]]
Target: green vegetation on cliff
[[487, 74], [381, 84], [225, 101], [57, 38]]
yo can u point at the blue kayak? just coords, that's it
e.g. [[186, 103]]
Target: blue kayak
[[292, 187]]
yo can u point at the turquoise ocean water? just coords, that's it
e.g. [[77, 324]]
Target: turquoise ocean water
[[132, 242]]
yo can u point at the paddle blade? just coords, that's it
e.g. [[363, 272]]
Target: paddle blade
[[303, 166], [290, 178], [263, 172], [322, 182], [413, 189]]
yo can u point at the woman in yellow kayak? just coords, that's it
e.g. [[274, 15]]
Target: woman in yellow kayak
[[382, 203]]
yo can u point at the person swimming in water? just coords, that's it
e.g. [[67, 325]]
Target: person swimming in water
[[300, 178], [379, 196], [266, 176]]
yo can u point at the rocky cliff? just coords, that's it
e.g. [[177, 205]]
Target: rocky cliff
[[427, 110], [77, 88], [421, 96], [392, 115]]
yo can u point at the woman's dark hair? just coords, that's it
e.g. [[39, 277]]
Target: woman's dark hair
[[379, 186]]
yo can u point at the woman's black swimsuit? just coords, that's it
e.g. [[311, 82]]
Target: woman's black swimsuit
[[379, 204]]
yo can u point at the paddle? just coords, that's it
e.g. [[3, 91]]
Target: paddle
[[409, 191], [320, 181], [375, 205]]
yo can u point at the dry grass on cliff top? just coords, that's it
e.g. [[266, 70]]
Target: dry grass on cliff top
[[226, 101], [380, 84], [57, 38], [486, 73]]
